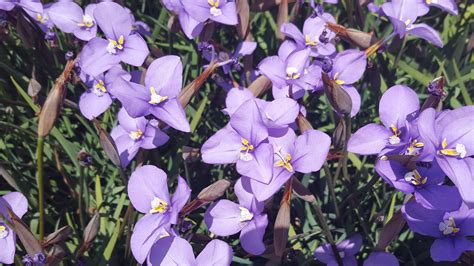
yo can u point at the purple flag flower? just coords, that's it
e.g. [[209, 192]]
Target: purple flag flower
[[346, 248], [190, 26], [163, 82], [449, 138], [225, 218], [243, 141], [97, 98], [305, 154], [177, 251], [450, 228], [30, 6], [450, 6], [314, 36], [69, 18], [120, 45], [131, 134], [221, 11], [377, 258], [19, 205], [394, 107], [148, 192], [229, 60], [403, 14], [423, 182]]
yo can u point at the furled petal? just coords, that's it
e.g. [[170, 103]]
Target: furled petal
[[446, 5], [222, 148], [311, 150], [432, 197], [274, 69], [247, 121], [145, 233], [190, 26], [165, 74], [172, 113], [281, 112], [426, 32], [450, 249], [92, 105], [228, 16], [135, 50], [146, 183], [235, 98], [180, 197], [113, 20], [421, 220], [377, 258], [245, 48], [243, 191], [18, 203], [216, 252], [369, 139], [260, 167], [251, 236], [396, 103], [95, 59], [171, 251], [198, 9], [223, 218], [66, 16]]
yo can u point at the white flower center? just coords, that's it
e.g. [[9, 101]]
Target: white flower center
[[448, 226], [3, 232], [415, 178], [155, 98], [158, 205], [214, 10], [292, 73], [87, 22], [245, 151], [245, 214]]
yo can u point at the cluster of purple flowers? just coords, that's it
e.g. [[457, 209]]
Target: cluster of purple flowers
[[417, 146]]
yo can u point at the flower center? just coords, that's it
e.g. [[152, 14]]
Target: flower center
[[337, 80], [284, 161], [3, 231], [155, 98], [341, 254], [415, 147], [99, 88], [395, 138], [136, 135], [292, 73], [115, 44], [158, 205], [245, 214], [448, 227], [458, 151], [41, 18], [415, 178], [215, 10], [245, 150], [309, 42], [87, 22]]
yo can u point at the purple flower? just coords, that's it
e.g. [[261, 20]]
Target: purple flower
[[243, 141], [69, 18], [423, 182], [225, 218], [190, 26], [450, 228], [450, 6], [403, 14], [346, 248], [177, 251], [19, 205], [221, 11], [120, 45], [30, 6], [97, 98], [163, 82], [228, 60], [131, 134], [394, 107], [377, 258], [305, 154], [313, 29], [148, 192], [449, 139]]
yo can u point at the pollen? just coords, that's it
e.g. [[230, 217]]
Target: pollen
[[415, 178], [292, 73], [136, 135], [459, 150], [101, 86], [155, 98], [245, 150], [309, 42], [337, 80], [3, 232], [158, 206], [395, 138], [245, 214], [415, 147], [115, 44], [87, 22], [284, 161]]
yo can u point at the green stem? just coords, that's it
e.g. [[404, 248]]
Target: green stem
[[345, 154], [327, 232], [327, 171], [40, 183]]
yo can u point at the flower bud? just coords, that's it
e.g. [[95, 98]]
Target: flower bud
[[339, 99], [356, 37]]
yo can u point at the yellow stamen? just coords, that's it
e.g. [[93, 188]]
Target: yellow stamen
[[285, 162], [459, 150], [338, 81], [3, 232], [158, 206], [309, 42], [407, 22], [155, 97], [136, 135], [415, 178], [101, 86]]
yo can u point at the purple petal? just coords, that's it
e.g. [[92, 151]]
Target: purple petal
[[198, 9], [171, 251], [113, 20], [135, 50], [349, 66], [286, 48], [245, 48], [66, 16], [223, 218], [421, 220], [461, 173], [129, 123], [324, 254], [18, 203], [251, 236], [426, 32], [133, 96], [247, 121], [311, 150], [8, 245], [172, 113], [355, 97], [153, 137], [396, 103], [377, 258], [228, 16], [180, 198], [281, 112], [145, 233], [165, 74], [393, 173], [216, 252], [291, 31], [369, 139], [92, 105], [260, 167], [449, 249], [351, 245], [190, 26], [264, 191], [274, 69], [235, 98], [146, 183], [432, 197], [446, 5], [222, 147], [95, 59], [243, 191]]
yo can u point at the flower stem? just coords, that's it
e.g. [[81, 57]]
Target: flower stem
[[327, 232], [40, 183], [81, 195]]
